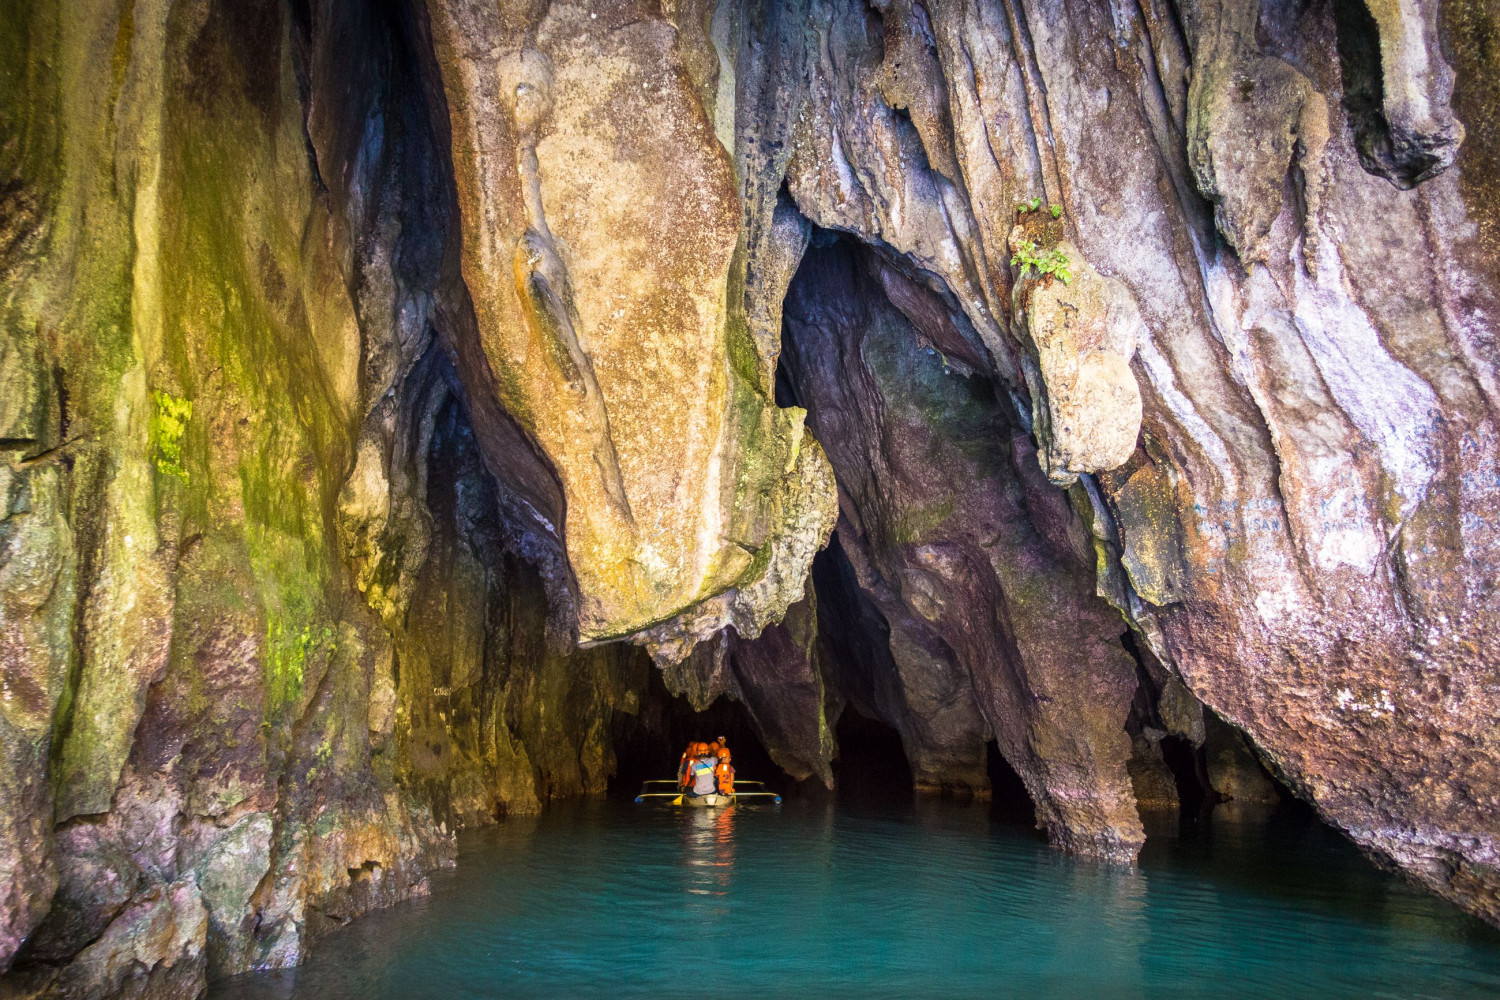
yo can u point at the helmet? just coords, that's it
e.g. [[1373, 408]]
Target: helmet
[[698, 748], [713, 747], [724, 754]]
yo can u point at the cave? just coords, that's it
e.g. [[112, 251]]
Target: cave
[[647, 743], [1010, 802], [1055, 446], [871, 764]]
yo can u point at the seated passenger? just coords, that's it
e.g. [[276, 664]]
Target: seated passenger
[[702, 777], [724, 773], [685, 766]]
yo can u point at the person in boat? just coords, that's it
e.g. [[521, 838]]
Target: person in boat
[[701, 777], [724, 773], [694, 750]]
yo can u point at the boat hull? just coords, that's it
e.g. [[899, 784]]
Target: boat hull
[[713, 800]]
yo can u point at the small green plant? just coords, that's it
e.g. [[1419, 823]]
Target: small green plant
[[1057, 211], [169, 422], [1049, 263], [1029, 206]]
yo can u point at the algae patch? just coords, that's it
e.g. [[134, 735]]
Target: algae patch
[[287, 653], [169, 421]]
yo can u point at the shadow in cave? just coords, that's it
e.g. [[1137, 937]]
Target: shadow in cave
[[1010, 803], [649, 744], [1190, 776], [871, 765], [1288, 854]]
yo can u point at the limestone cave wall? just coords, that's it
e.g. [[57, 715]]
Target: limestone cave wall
[[267, 635]]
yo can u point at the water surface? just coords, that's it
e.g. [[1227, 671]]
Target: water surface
[[612, 899]]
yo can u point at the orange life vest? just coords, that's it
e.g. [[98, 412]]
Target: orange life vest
[[725, 773]]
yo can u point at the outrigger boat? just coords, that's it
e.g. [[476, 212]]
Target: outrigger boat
[[754, 791]]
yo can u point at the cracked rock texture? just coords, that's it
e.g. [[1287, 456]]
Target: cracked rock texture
[[1302, 536], [365, 370]]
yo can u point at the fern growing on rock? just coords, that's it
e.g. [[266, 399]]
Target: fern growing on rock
[[1048, 263]]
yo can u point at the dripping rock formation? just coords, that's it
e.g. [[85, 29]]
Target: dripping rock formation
[[400, 402]]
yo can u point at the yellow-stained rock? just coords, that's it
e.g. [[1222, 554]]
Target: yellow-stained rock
[[600, 220]]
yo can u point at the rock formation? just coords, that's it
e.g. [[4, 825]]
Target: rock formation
[[266, 636], [611, 316], [386, 390]]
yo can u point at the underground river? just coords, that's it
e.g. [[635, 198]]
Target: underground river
[[1057, 444], [883, 899]]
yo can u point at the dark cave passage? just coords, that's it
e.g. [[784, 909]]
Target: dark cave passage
[[391, 474], [901, 698], [649, 742], [1010, 802], [1186, 760], [894, 380], [897, 390], [871, 765], [1190, 777]]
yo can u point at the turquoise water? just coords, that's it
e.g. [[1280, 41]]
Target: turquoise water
[[612, 899]]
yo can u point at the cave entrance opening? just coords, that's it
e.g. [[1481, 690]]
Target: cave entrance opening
[[1190, 775], [649, 743], [871, 764], [1010, 802], [842, 326]]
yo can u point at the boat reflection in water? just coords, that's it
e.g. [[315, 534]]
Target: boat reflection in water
[[708, 849]]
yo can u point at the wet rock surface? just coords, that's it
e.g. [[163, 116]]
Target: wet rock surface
[[1299, 534], [260, 660], [366, 372]]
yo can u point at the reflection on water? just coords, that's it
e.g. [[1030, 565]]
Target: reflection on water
[[925, 900], [708, 850]]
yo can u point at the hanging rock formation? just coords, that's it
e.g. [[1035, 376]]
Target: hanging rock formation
[[1078, 338], [610, 324], [1300, 535], [366, 371]]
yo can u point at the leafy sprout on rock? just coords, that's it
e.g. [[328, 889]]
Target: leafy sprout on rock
[[1049, 263]]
